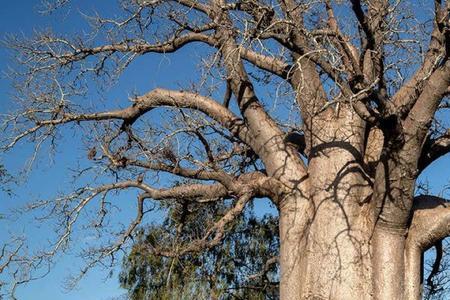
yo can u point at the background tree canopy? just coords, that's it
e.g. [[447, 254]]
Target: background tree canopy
[[243, 266]]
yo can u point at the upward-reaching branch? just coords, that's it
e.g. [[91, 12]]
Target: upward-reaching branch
[[434, 149], [269, 143], [408, 94], [427, 103], [430, 224]]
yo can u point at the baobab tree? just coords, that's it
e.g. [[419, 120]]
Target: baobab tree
[[330, 109]]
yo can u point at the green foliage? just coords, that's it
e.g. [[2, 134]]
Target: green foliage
[[222, 272]]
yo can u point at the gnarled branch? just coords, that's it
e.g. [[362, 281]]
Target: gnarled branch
[[147, 102], [430, 224], [434, 149]]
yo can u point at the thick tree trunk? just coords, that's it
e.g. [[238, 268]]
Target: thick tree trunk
[[388, 264], [330, 245], [338, 258], [293, 218], [413, 272]]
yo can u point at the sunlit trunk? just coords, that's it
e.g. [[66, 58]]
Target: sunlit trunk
[[293, 221], [330, 245], [339, 259]]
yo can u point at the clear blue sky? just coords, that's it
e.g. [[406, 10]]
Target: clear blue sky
[[20, 16]]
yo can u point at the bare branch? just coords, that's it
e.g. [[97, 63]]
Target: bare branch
[[421, 114], [364, 23], [434, 149], [430, 222], [132, 46], [269, 263], [406, 97], [267, 63], [7, 256], [267, 144], [436, 264], [146, 103]]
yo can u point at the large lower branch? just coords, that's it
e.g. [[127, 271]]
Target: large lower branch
[[259, 184], [147, 102], [211, 108], [434, 149], [430, 224], [200, 174]]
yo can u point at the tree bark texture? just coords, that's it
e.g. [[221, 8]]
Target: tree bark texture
[[335, 241]]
